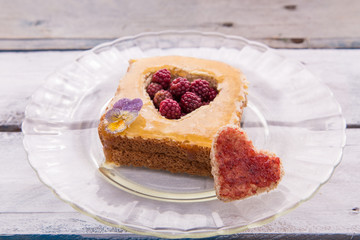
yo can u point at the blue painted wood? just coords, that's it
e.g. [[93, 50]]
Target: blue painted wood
[[260, 236]]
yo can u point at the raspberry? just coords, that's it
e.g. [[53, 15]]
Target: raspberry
[[205, 103], [160, 96], [170, 109], [179, 86], [201, 88], [162, 77], [189, 102], [212, 94], [152, 89]]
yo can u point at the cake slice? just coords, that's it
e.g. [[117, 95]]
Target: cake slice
[[240, 170], [179, 143]]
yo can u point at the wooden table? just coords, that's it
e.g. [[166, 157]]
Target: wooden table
[[37, 37]]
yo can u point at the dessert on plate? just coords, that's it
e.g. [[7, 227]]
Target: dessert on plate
[[166, 112], [177, 136]]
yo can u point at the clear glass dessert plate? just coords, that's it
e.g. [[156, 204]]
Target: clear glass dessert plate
[[290, 112]]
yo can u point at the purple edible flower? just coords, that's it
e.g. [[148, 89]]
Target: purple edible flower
[[123, 113]]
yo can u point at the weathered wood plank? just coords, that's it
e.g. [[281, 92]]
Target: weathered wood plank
[[26, 202], [339, 70], [52, 223], [21, 73], [51, 24]]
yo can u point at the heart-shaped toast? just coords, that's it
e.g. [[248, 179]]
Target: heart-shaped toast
[[239, 169]]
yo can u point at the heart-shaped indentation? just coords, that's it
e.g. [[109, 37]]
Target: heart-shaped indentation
[[239, 169], [176, 95]]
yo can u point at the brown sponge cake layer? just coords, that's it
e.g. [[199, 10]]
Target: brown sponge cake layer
[[165, 154], [164, 146], [158, 160]]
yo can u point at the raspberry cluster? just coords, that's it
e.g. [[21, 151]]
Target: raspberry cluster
[[178, 97]]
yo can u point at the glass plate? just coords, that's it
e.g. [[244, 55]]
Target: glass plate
[[290, 112]]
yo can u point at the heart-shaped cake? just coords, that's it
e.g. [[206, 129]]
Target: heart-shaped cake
[[239, 169]]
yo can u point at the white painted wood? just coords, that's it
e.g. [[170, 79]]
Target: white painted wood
[[21, 73], [28, 207], [340, 71], [44, 24], [53, 223]]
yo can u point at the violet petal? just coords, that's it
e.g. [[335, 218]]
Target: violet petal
[[130, 105], [135, 105], [122, 103]]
